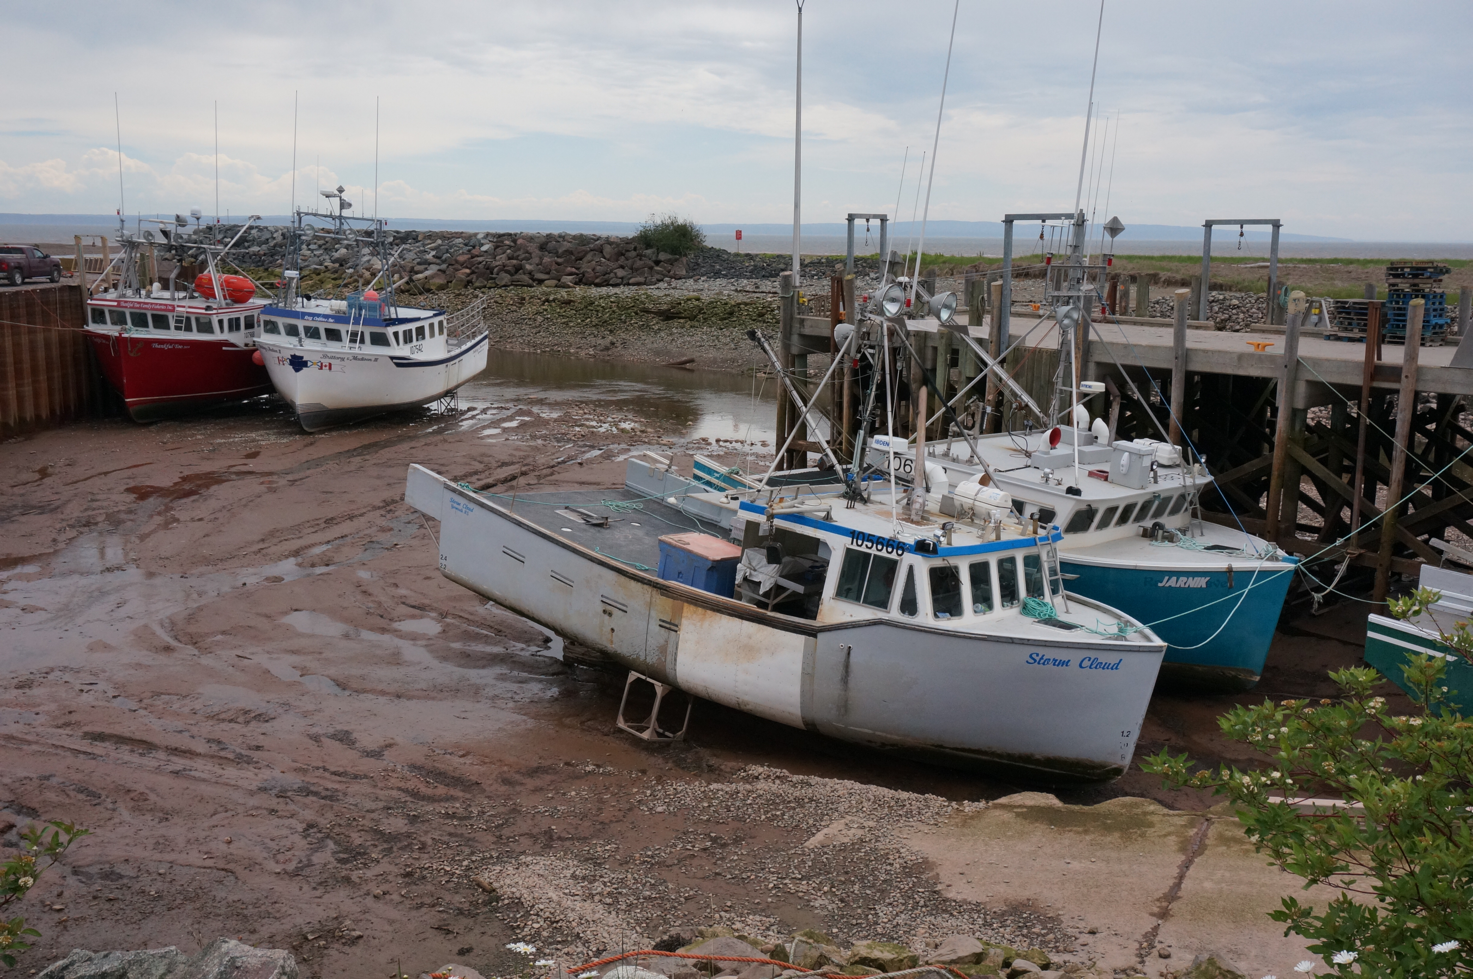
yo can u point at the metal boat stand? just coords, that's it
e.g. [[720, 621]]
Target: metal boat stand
[[650, 730]]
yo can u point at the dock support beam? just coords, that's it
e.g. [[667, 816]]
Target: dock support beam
[[1179, 367], [1288, 375], [1406, 408]]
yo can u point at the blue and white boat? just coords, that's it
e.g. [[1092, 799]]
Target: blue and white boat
[[337, 361]]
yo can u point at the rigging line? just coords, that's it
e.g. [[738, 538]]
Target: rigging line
[[935, 144], [375, 158], [889, 424], [915, 209], [896, 214], [1094, 150], [1079, 190], [1110, 184], [217, 161], [1095, 197]]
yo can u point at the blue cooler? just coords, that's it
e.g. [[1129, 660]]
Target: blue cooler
[[701, 561]]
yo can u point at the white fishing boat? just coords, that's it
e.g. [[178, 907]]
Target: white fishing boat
[[338, 361], [822, 600]]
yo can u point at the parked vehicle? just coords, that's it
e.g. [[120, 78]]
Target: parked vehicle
[[21, 262]]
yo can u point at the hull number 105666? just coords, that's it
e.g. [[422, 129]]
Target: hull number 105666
[[885, 545]]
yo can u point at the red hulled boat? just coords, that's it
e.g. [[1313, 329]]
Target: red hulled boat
[[168, 350]]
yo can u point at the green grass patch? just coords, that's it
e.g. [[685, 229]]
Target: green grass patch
[[671, 234]]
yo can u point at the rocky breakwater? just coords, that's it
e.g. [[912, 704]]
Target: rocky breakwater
[[451, 259], [722, 953], [224, 958]]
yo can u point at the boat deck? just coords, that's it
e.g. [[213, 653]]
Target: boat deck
[[636, 523]]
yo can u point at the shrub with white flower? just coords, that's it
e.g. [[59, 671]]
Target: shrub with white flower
[[522, 948], [1400, 859], [41, 846]]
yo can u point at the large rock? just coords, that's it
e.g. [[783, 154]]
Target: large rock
[[808, 953], [1022, 967], [725, 950], [224, 958], [884, 956], [958, 950], [1214, 965]]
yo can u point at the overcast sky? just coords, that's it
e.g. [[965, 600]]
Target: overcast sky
[[1348, 119]]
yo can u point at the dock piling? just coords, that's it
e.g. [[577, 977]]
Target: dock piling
[[1179, 366], [1288, 374], [1406, 408]]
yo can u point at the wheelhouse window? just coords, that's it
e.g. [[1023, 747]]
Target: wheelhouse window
[[1007, 582], [271, 326], [184, 324], [866, 578], [235, 324], [909, 606], [355, 337], [203, 324], [378, 338], [1106, 517], [291, 330], [1125, 515], [311, 332], [1033, 575], [160, 321], [1160, 508], [333, 334], [1082, 520], [117, 317], [980, 573], [1178, 504], [419, 332], [99, 317], [139, 321], [250, 322], [946, 591]]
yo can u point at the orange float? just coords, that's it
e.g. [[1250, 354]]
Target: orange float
[[237, 288]]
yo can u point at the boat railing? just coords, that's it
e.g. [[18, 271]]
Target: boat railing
[[467, 323]]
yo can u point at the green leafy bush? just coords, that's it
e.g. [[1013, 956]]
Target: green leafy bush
[[1402, 843], [39, 850], [671, 234]]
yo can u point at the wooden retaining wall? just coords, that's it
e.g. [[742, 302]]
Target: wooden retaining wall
[[48, 373]]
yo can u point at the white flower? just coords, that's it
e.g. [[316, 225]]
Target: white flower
[[522, 948], [544, 962], [1270, 977], [26, 881], [1305, 966], [1451, 946], [588, 975], [1343, 958]]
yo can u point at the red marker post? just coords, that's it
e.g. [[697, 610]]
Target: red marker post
[[739, 240]]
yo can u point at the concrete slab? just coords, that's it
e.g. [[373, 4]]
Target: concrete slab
[[1146, 877]]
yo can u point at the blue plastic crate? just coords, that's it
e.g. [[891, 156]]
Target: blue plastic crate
[[701, 561]]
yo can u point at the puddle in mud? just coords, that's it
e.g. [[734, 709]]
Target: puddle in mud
[[185, 486], [702, 404]]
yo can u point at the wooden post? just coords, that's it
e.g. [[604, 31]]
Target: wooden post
[[1194, 306], [787, 326], [1465, 308], [1406, 408], [1288, 373], [106, 261], [940, 365], [1370, 292], [1112, 290], [1368, 373], [1179, 367], [1143, 294], [80, 269], [994, 348]]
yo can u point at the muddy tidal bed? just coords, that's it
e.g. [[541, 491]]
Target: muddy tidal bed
[[226, 649]]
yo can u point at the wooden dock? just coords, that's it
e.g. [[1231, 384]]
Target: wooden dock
[[1292, 480]]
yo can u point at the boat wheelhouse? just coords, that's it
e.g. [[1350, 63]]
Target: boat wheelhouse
[[167, 350]]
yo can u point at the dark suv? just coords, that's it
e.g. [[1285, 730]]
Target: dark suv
[[21, 262]]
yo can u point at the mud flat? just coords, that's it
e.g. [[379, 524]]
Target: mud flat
[[225, 647]]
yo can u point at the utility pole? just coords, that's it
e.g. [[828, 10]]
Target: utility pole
[[798, 156]]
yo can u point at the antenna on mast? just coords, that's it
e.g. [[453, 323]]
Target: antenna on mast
[[294, 152], [118, 120], [375, 157], [798, 156]]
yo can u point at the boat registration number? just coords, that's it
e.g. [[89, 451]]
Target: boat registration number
[[885, 545]]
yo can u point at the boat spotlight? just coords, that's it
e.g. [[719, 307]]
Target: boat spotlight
[[892, 300], [943, 307], [1067, 317]]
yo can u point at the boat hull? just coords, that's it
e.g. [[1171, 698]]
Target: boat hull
[[1055, 709], [327, 388], [1388, 643], [1187, 607], [163, 376]]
